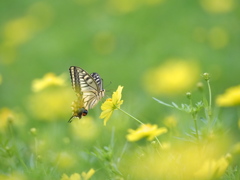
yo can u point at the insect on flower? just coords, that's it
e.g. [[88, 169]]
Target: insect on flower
[[88, 88]]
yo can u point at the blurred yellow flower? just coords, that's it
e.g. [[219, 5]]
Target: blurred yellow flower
[[85, 129], [8, 116], [49, 79], [230, 98], [38, 16], [170, 121], [111, 104], [145, 130], [218, 38], [13, 176], [212, 169], [218, 6], [76, 176], [65, 160], [174, 76], [51, 104]]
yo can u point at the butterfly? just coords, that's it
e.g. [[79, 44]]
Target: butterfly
[[89, 90]]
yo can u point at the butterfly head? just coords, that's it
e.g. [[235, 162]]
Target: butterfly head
[[79, 113]]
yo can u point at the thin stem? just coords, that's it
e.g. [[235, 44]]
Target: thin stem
[[196, 127], [131, 116], [140, 123], [210, 99]]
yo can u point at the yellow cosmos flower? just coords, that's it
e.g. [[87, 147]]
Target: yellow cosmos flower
[[230, 98], [76, 176], [145, 130], [213, 168], [48, 80], [111, 104], [174, 76]]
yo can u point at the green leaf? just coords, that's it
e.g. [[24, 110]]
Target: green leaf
[[161, 102]]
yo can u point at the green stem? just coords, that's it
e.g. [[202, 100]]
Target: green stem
[[196, 127], [140, 123], [210, 99]]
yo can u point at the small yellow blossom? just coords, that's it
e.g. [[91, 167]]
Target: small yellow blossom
[[212, 168], [230, 98], [76, 176], [172, 77], [111, 104], [145, 130], [48, 80]]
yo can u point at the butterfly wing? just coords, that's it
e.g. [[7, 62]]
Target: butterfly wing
[[89, 86]]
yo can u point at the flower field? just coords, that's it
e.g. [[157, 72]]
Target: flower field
[[170, 73]]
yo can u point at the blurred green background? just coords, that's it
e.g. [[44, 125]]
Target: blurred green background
[[126, 42]]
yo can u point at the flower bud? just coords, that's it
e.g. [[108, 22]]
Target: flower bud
[[206, 76], [189, 95]]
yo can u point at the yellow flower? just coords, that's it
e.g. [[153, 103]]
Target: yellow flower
[[111, 104], [76, 176], [230, 98], [212, 168], [48, 80], [174, 76], [145, 130]]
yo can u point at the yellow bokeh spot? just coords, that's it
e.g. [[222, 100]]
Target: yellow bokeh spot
[[13, 176], [65, 160], [173, 77], [123, 6], [51, 104], [170, 121], [218, 38], [8, 116], [85, 129], [38, 16], [230, 98], [218, 6]]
